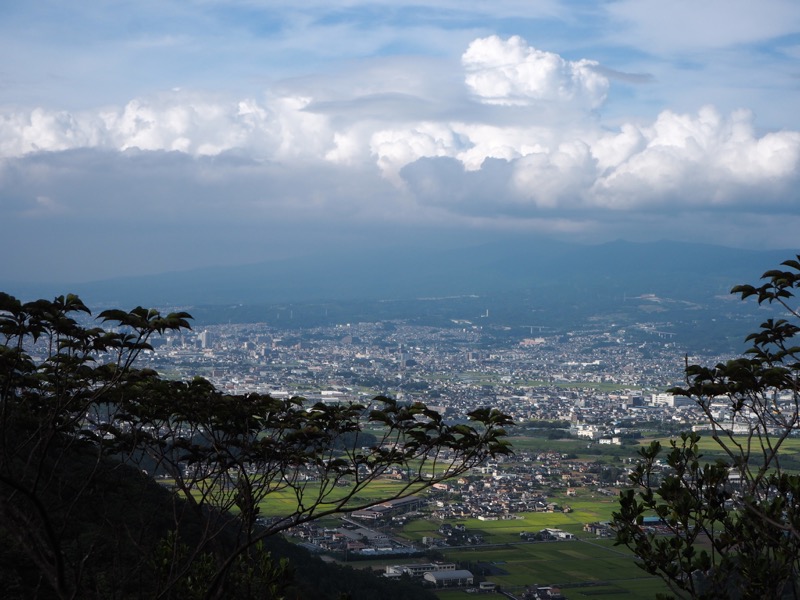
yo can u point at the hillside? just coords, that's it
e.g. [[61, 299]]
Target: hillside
[[112, 536]]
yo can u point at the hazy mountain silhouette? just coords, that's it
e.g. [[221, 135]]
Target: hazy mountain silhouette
[[509, 265]]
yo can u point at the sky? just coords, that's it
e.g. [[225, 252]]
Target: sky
[[150, 136]]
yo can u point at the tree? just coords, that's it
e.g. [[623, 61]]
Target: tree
[[729, 524], [85, 432]]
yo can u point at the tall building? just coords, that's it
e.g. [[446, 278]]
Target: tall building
[[205, 339]]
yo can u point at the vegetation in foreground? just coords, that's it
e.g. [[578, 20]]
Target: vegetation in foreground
[[729, 528], [83, 432]]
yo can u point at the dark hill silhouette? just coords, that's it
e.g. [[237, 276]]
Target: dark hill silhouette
[[120, 525]]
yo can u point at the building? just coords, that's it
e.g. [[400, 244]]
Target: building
[[457, 578], [556, 534], [418, 569], [388, 509]]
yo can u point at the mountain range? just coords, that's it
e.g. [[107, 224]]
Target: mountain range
[[511, 265]]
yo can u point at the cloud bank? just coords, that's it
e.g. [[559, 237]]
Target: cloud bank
[[514, 138]]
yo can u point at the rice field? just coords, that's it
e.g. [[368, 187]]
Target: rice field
[[580, 568], [284, 502]]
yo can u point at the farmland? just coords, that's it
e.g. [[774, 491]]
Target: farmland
[[585, 567], [582, 568]]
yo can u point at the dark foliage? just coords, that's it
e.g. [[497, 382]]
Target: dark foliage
[[729, 528], [83, 433]]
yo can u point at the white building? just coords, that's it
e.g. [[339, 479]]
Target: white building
[[457, 578]]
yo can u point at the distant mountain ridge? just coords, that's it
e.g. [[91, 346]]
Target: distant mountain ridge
[[506, 266]]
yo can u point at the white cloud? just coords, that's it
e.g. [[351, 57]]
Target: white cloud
[[508, 143], [699, 160], [681, 161], [560, 156], [510, 72], [557, 179], [396, 148], [279, 128]]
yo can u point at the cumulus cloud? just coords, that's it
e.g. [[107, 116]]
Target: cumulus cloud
[[566, 161], [681, 161], [698, 160], [276, 128], [510, 72]]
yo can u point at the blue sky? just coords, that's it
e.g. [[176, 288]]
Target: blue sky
[[150, 136]]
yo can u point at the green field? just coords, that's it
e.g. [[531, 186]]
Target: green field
[[587, 567], [582, 449], [500, 532], [580, 568], [284, 502], [583, 568], [710, 450], [790, 445]]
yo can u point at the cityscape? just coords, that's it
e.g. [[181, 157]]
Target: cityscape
[[602, 380]]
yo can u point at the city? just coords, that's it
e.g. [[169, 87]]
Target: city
[[602, 381], [592, 391]]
